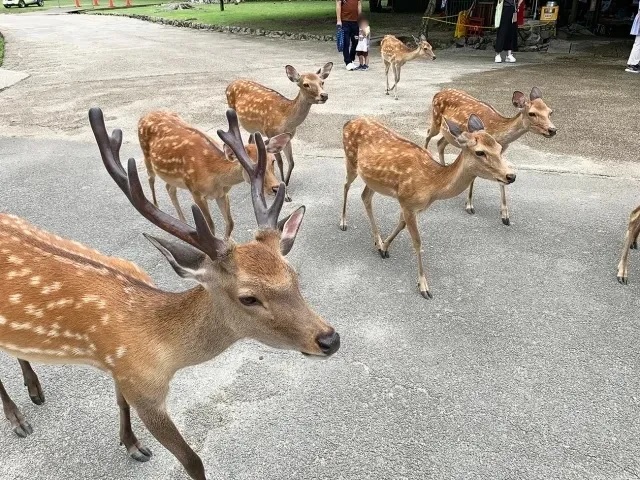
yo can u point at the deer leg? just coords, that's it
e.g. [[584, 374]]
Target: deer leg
[[394, 234], [504, 210], [469, 205], [20, 426], [201, 201], [386, 75], [412, 227], [225, 209], [157, 420], [152, 185], [367, 195], [351, 176], [173, 195], [289, 153], [280, 165], [396, 71], [442, 144], [629, 239], [32, 383], [127, 438]]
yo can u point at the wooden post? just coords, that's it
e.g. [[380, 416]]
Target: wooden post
[[222, 5], [574, 12]]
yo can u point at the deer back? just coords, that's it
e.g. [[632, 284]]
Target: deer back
[[259, 109]]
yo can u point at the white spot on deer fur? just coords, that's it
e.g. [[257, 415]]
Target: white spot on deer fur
[[15, 298], [3, 320], [59, 303], [21, 273], [15, 260], [100, 303], [104, 319], [120, 351], [35, 281], [32, 310], [54, 287], [109, 360], [40, 330], [20, 326]]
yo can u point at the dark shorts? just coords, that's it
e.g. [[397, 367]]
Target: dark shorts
[[364, 54]]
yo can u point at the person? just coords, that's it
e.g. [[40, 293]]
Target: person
[[362, 49], [507, 25], [633, 64], [347, 14]]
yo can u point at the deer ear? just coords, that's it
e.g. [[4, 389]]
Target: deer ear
[[519, 99], [289, 227], [423, 38], [292, 73], [185, 260], [416, 41], [325, 71], [277, 143], [453, 127], [229, 153], [535, 93], [252, 139], [474, 124]]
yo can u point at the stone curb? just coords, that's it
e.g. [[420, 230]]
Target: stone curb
[[226, 29], [8, 78]]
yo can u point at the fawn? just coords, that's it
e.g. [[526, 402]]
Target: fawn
[[395, 54]]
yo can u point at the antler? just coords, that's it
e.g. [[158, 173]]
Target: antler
[[266, 217], [129, 182]]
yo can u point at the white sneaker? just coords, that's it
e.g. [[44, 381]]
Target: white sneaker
[[351, 66], [510, 59], [498, 59]]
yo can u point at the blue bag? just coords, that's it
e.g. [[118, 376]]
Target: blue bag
[[339, 38]]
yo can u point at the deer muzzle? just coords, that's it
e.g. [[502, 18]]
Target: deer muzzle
[[328, 342]]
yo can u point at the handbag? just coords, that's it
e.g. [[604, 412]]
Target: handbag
[[339, 38], [498, 14]]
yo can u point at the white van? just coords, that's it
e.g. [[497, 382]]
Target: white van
[[22, 3]]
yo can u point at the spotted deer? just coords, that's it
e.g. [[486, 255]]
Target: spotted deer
[[64, 303], [184, 157], [396, 167], [533, 116], [395, 54], [630, 242], [263, 110]]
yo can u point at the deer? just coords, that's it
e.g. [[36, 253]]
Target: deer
[[395, 54], [261, 109], [533, 116], [630, 243], [396, 167], [66, 303], [184, 157]]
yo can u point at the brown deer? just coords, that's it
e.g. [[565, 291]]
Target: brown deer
[[630, 242], [396, 167], [263, 110], [185, 157], [395, 54], [533, 116], [65, 303]]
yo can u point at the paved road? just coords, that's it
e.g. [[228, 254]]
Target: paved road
[[524, 366]]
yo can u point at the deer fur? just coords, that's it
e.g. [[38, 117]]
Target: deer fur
[[395, 54]]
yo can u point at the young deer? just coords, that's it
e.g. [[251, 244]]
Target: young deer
[[263, 110], [185, 157], [66, 303], [630, 242], [396, 167], [533, 116], [395, 54]]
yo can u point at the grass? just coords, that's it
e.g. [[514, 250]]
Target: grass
[[1, 49], [315, 17]]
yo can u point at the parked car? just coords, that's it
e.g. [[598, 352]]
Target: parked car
[[22, 3]]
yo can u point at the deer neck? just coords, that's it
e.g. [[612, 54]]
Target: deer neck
[[297, 111], [411, 55], [195, 329], [453, 179], [509, 129]]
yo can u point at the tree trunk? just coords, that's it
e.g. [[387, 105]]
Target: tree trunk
[[222, 5], [574, 12], [431, 7]]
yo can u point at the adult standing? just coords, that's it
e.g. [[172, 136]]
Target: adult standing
[[633, 64], [347, 14], [506, 22]]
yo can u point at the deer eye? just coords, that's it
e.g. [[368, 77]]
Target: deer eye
[[550, 113], [249, 301], [531, 114], [305, 85], [480, 154]]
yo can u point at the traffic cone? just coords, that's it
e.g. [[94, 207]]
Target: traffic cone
[[111, 5], [96, 3], [128, 4], [78, 4]]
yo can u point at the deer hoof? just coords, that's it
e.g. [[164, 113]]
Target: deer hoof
[[140, 453], [622, 280], [506, 221], [470, 210], [38, 399], [383, 253], [287, 198], [634, 246], [21, 427], [343, 227], [426, 294]]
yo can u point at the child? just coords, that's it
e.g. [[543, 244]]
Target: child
[[362, 49], [633, 64]]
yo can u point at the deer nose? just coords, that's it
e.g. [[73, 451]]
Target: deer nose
[[434, 57], [324, 96], [275, 189], [329, 343], [511, 177], [552, 131]]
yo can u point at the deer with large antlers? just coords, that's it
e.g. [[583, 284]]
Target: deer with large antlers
[[395, 54], [185, 157], [263, 110], [630, 243], [65, 303], [396, 167], [533, 116]]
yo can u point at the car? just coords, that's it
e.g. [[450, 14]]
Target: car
[[22, 3]]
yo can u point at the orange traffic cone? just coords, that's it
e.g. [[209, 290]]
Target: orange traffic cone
[[111, 5], [78, 4], [96, 3], [128, 4]]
